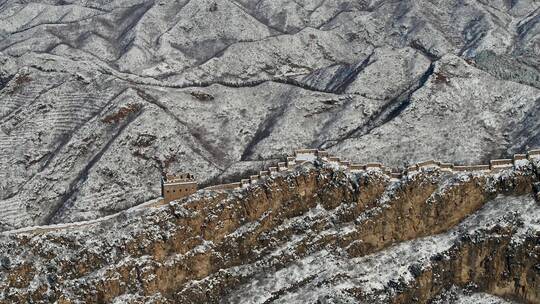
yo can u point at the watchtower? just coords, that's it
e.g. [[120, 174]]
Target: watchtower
[[174, 187]]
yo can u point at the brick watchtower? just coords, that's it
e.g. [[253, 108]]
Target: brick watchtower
[[174, 187]]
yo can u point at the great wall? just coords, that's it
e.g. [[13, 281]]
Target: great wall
[[176, 187]]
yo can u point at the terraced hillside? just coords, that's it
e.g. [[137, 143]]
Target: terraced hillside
[[99, 98], [316, 234]]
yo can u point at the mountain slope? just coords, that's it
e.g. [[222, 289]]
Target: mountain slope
[[318, 233], [100, 97]]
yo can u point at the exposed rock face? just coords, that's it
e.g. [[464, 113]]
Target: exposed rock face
[[315, 234], [98, 98]]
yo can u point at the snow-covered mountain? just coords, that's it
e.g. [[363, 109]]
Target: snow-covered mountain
[[100, 97]]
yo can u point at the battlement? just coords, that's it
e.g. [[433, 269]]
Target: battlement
[[173, 178], [501, 163], [412, 168], [230, 186], [374, 166], [357, 167], [345, 163], [534, 153], [427, 164], [333, 159], [446, 167], [396, 175], [518, 157], [472, 168], [175, 187]]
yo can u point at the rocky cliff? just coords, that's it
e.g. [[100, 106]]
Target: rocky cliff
[[98, 98], [317, 234]]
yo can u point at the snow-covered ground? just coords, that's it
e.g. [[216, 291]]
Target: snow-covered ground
[[222, 88], [459, 296], [329, 276]]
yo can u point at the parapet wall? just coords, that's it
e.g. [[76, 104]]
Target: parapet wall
[[225, 186], [311, 155], [173, 178]]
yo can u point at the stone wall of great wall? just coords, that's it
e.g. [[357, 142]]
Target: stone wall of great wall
[[174, 187], [310, 155]]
